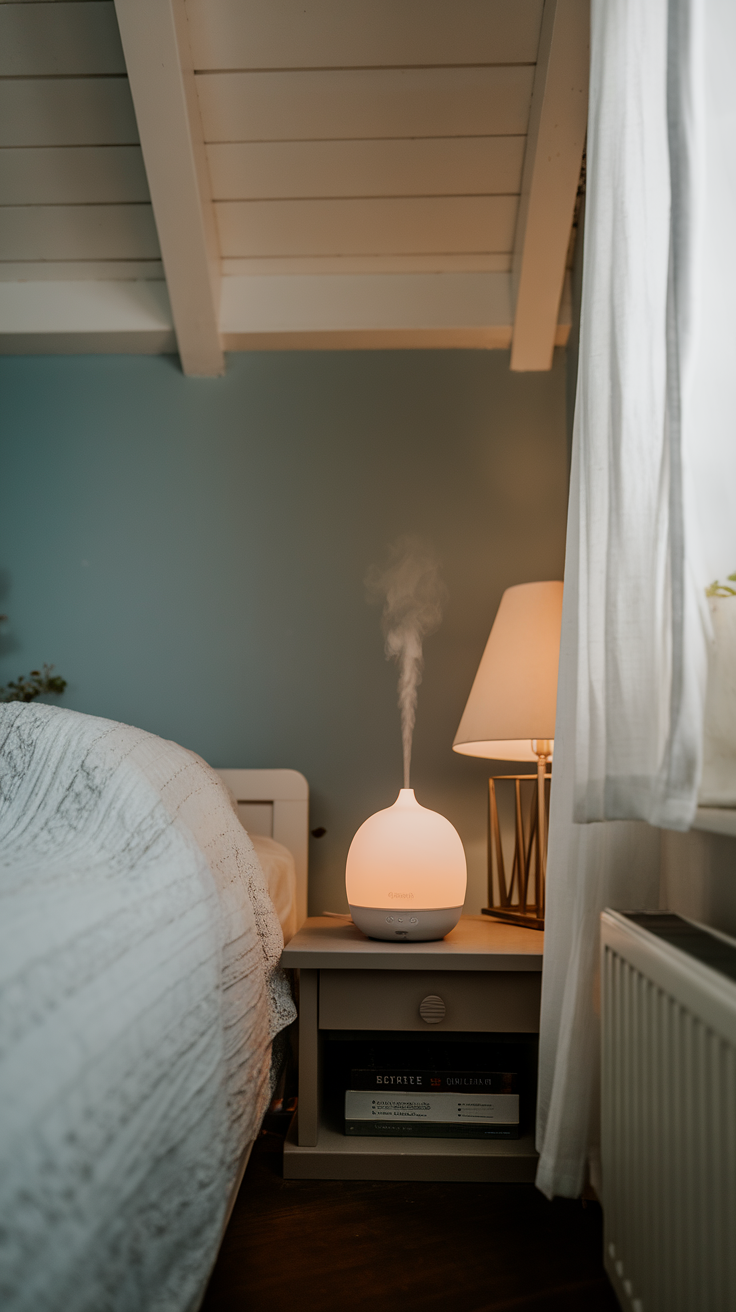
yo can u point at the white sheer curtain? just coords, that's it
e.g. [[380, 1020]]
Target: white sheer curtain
[[652, 507]]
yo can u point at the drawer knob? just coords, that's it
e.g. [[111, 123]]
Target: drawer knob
[[432, 1009]]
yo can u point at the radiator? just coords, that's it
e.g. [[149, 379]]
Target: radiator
[[668, 1145]]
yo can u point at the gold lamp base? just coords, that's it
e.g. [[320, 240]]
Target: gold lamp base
[[529, 919], [520, 898]]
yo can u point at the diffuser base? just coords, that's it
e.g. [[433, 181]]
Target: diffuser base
[[397, 925]]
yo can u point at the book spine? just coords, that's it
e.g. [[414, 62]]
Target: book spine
[[439, 1108], [435, 1081], [429, 1130]]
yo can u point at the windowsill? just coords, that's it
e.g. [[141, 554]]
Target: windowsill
[[716, 820]]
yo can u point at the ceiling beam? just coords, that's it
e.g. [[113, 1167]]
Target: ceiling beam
[[157, 54], [89, 317], [269, 312], [381, 311], [554, 151]]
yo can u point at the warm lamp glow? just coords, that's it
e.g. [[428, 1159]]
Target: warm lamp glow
[[406, 873], [510, 716], [514, 695]]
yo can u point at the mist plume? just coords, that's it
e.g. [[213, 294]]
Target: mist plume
[[413, 594]]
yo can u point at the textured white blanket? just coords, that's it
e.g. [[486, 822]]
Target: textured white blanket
[[139, 994]]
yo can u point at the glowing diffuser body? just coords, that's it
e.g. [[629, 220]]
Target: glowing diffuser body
[[406, 873]]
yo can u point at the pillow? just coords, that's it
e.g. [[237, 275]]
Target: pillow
[[278, 866]]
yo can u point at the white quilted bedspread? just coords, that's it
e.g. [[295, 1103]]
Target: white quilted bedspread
[[139, 994]]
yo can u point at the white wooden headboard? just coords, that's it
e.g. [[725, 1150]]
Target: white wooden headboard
[[276, 803]]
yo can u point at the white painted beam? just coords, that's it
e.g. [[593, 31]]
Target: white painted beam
[[555, 143], [368, 311], [85, 318], [267, 312], [156, 47]]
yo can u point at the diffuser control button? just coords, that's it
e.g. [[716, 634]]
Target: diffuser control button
[[432, 1009], [389, 920], [414, 921]]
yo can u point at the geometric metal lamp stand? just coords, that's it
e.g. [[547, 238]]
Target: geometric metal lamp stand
[[510, 716], [518, 899]]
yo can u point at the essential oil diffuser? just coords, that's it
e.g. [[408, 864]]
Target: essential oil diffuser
[[406, 873]]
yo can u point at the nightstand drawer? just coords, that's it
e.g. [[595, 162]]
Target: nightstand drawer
[[498, 1000]]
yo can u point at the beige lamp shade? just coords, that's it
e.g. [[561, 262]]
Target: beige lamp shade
[[514, 694]]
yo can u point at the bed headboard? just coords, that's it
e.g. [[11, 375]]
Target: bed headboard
[[276, 803]]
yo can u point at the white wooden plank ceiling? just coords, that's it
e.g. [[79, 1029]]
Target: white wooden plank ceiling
[[73, 190], [332, 173]]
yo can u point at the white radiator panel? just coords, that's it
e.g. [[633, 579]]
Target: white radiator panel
[[668, 1124]]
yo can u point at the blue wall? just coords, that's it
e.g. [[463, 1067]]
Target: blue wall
[[191, 553]]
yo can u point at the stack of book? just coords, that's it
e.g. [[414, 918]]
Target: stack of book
[[433, 1104]]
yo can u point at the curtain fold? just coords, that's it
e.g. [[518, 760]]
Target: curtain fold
[[638, 712], [650, 520], [589, 867]]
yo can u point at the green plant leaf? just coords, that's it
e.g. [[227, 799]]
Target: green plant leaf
[[37, 685], [716, 589]]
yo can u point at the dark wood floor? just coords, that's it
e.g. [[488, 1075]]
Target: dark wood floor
[[329, 1245]]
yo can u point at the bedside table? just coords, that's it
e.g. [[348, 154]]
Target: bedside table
[[488, 977]]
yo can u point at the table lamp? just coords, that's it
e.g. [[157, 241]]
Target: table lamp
[[510, 716]]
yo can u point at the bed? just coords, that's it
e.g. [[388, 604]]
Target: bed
[[273, 806], [140, 997]]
